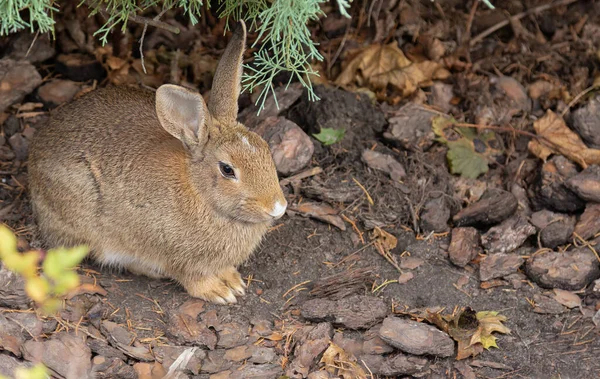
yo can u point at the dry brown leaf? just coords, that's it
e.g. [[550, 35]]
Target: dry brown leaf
[[381, 65], [557, 138], [86, 288], [387, 240], [321, 212], [342, 364], [566, 298]]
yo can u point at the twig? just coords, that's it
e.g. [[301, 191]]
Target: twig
[[518, 16], [303, 175], [142, 20], [369, 198], [470, 19], [158, 16], [32, 43], [578, 97]]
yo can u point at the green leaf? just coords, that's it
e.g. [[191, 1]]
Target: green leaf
[[330, 136], [463, 159], [68, 281]]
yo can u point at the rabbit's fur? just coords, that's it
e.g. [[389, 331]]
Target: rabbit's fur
[[138, 176]]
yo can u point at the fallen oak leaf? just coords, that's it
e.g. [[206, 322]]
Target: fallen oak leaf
[[472, 331], [380, 66], [557, 138], [342, 364]]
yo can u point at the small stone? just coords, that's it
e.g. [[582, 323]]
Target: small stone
[[547, 305], [405, 277], [21, 48], [441, 96], [123, 340], [395, 365], [570, 270], [167, 355], [64, 353], [11, 126], [262, 327], [19, 145], [321, 374], [373, 344], [410, 127], [495, 206], [415, 337], [508, 236], [353, 312], [290, 147], [30, 324], [464, 246], [149, 370], [9, 364], [11, 337], [499, 265], [435, 215], [515, 92], [231, 335], [586, 122], [17, 79], [264, 371], [215, 362], [186, 330], [285, 95], [551, 191], [385, 163], [58, 91], [102, 348], [589, 222], [410, 263], [107, 368], [555, 228], [12, 290], [586, 184]]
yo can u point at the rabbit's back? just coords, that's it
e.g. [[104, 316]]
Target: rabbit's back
[[98, 158]]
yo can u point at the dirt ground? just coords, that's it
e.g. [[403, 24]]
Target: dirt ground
[[551, 53]]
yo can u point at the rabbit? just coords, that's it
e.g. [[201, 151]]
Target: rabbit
[[159, 183]]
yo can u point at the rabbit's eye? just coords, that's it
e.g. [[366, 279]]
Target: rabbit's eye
[[226, 170]]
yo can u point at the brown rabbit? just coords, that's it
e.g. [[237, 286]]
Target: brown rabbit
[[159, 183]]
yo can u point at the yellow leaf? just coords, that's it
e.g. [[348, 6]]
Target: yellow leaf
[[8, 241], [37, 289], [342, 364], [488, 341], [557, 138]]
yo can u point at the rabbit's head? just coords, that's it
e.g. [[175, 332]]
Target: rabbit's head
[[230, 166]]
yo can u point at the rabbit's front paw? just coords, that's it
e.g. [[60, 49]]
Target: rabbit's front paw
[[221, 288]]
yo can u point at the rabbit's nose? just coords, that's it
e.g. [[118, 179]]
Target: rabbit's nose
[[278, 209]]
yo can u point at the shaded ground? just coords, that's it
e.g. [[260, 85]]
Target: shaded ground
[[550, 55]]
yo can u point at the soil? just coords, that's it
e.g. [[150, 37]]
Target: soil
[[300, 254]]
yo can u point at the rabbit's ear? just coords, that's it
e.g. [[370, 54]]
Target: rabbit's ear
[[182, 113], [223, 102]]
